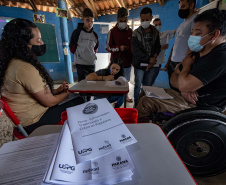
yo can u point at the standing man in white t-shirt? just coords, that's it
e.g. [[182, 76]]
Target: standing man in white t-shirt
[[164, 38], [180, 47]]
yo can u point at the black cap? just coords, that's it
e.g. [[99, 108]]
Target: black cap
[[123, 12]]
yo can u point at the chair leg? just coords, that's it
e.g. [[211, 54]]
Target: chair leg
[[13, 139]]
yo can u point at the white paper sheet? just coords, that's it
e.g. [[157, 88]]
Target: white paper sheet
[[156, 92], [113, 84], [26, 161], [143, 64], [96, 130], [120, 82], [111, 168]]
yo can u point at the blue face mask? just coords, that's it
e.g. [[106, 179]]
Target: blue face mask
[[158, 28], [194, 42]]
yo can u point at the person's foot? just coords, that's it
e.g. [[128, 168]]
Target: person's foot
[[129, 100], [114, 103]]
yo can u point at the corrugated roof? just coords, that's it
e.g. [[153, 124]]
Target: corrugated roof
[[75, 7]]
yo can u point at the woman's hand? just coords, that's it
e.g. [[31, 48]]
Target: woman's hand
[[63, 88], [109, 78]]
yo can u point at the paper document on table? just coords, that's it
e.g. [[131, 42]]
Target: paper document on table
[[96, 130], [111, 168], [120, 82], [113, 84], [156, 92], [25, 161]]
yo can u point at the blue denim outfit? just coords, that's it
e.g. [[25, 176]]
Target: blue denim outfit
[[146, 78], [127, 72]]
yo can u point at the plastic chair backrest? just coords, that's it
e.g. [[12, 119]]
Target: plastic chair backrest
[[9, 113], [128, 115]]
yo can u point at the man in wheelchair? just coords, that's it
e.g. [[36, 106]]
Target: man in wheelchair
[[201, 77]]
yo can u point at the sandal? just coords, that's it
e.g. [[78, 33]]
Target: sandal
[[129, 100]]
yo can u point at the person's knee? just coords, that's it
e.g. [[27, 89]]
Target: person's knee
[[145, 107]]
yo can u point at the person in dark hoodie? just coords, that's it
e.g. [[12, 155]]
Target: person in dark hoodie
[[84, 44], [146, 47], [119, 43]]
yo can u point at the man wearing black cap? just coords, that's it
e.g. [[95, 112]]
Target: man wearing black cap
[[119, 42]]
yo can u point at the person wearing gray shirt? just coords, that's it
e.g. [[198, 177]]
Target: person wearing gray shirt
[[164, 38], [180, 47]]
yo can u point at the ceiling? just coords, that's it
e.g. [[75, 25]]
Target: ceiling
[[75, 7]]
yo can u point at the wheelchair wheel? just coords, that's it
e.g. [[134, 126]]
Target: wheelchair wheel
[[199, 137]]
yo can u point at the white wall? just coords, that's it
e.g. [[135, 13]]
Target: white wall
[[103, 60]]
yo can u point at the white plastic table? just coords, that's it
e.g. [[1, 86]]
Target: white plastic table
[[155, 160]]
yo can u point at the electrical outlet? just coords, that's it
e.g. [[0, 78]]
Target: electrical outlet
[[50, 70]]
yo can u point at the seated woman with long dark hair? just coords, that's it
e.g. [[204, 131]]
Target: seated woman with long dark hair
[[24, 83], [112, 72]]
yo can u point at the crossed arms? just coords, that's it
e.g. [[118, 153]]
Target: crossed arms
[[185, 82]]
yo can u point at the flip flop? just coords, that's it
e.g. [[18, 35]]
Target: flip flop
[[129, 100]]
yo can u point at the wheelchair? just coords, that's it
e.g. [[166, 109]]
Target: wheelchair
[[199, 137]]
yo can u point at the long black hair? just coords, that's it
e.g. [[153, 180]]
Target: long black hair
[[14, 44], [119, 62]]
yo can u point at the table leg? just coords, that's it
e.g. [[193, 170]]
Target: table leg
[[124, 100]]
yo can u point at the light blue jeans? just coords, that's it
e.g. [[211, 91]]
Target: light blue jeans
[[127, 72], [143, 77]]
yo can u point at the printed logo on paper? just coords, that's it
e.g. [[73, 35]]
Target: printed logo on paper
[[94, 170], [107, 146], [85, 152], [125, 139], [90, 108], [66, 168], [119, 163]]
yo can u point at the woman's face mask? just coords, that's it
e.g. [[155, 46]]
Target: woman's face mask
[[122, 25], [194, 42], [145, 24], [39, 50]]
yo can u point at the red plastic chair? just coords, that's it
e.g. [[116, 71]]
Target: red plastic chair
[[9, 113], [128, 115]]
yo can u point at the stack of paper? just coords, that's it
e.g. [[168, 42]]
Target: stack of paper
[[120, 82], [92, 149], [156, 92]]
